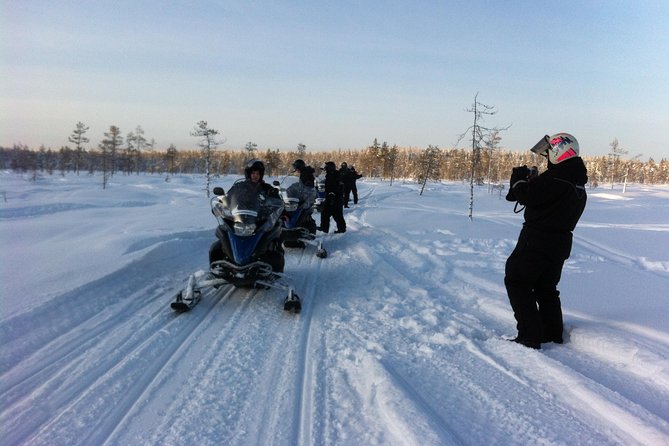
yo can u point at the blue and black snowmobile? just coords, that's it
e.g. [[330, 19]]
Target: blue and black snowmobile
[[299, 227], [248, 250]]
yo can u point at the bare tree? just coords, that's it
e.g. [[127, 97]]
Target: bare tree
[[478, 133], [208, 143], [301, 150], [615, 154]]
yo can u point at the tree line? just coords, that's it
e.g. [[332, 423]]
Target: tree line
[[133, 154]]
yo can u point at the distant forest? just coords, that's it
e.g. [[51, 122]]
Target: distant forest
[[488, 165]]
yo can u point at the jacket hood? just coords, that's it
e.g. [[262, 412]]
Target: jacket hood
[[572, 170]]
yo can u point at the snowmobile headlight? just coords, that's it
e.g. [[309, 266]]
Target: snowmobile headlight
[[221, 211], [291, 204], [244, 229]]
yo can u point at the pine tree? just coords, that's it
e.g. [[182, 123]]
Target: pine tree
[[78, 139]]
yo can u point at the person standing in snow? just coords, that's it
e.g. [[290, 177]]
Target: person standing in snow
[[333, 206], [355, 176], [554, 202], [347, 180]]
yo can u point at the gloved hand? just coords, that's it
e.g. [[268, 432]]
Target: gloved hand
[[519, 173], [510, 196]]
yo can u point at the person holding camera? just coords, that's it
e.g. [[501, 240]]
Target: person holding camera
[[554, 202]]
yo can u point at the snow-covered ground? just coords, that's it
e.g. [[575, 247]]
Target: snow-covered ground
[[401, 340]]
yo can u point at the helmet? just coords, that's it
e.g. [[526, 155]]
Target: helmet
[[562, 147], [299, 165], [252, 166], [330, 166], [344, 164]]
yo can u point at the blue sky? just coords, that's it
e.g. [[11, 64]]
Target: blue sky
[[336, 75]]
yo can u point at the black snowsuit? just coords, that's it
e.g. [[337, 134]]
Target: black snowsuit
[[354, 187], [307, 176], [347, 184], [554, 202], [333, 206]]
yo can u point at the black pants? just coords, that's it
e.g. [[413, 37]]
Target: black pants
[[347, 194], [335, 210], [533, 271], [354, 189]]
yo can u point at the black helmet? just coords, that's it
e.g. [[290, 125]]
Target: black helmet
[[330, 166], [252, 166], [344, 164], [299, 165]]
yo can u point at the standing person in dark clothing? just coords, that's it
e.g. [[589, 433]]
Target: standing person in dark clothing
[[333, 206], [554, 202], [355, 176], [306, 172], [347, 182]]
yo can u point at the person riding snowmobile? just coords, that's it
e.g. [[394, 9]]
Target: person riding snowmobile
[[254, 172]]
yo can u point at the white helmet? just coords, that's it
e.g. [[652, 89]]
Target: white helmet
[[562, 146]]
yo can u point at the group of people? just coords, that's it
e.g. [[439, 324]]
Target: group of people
[[349, 176], [554, 202], [339, 185]]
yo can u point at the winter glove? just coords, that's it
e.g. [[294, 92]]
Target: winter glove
[[517, 174], [510, 196]]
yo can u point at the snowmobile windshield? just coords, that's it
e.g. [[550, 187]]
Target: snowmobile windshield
[[246, 209], [243, 205], [304, 195]]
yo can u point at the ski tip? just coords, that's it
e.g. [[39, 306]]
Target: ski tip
[[179, 307], [292, 306]]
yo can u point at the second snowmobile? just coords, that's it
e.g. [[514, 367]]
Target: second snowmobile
[[299, 227]]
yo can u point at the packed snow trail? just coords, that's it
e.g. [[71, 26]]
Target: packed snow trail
[[400, 339]]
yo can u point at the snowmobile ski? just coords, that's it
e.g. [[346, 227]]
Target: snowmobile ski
[[183, 303], [292, 303]]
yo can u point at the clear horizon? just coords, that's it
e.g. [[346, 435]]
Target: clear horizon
[[337, 76]]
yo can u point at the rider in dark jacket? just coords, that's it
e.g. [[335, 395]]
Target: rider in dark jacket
[[255, 172], [554, 202], [306, 172]]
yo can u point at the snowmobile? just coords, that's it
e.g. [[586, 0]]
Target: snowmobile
[[247, 252], [299, 227]]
